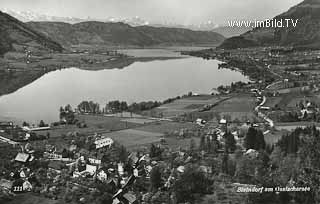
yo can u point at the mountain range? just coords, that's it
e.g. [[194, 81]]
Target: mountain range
[[100, 33], [44, 35], [306, 34], [54, 36], [27, 16]]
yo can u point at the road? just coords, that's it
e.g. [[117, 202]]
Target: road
[[6, 140]]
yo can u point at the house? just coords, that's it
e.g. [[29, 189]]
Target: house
[[129, 198], [103, 142], [251, 153], [5, 126], [91, 169], [50, 148], [264, 108], [148, 169], [76, 174], [102, 175], [73, 148], [94, 161], [22, 174], [181, 169], [135, 172], [116, 201], [23, 157], [52, 155], [200, 122], [26, 186], [120, 169]]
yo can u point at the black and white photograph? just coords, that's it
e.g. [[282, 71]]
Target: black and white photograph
[[159, 102]]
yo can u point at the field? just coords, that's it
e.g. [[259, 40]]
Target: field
[[290, 101], [166, 127], [238, 107], [137, 120], [94, 124], [272, 102], [132, 138], [187, 105], [176, 143], [294, 125], [130, 132], [143, 136]]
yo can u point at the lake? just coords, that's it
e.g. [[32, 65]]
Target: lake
[[140, 81]]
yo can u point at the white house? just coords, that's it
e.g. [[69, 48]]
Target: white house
[[102, 175], [91, 169], [103, 142], [95, 161], [26, 186]]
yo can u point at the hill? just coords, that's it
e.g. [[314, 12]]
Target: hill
[[229, 32], [14, 35], [305, 34], [100, 33]]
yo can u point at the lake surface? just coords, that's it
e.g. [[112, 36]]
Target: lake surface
[[140, 81]]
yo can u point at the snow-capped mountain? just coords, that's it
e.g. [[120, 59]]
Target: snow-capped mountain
[[26, 16]]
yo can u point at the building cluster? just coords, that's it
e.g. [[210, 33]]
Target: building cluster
[[51, 172]]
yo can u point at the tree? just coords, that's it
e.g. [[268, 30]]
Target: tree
[[123, 106], [155, 178], [105, 158], [155, 151], [209, 145], [289, 143], [260, 142], [254, 139], [224, 163], [202, 145], [65, 153], [192, 145], [106, 199], [249, 140], [245, 169], [68, 108], [309, 167], [230, 142], [191, 182], [123, 154], [42, 124]]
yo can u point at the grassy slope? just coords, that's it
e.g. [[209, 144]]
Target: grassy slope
[[15, 34], [305, 34]]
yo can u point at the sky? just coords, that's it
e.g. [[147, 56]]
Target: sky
[[157, 11]]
